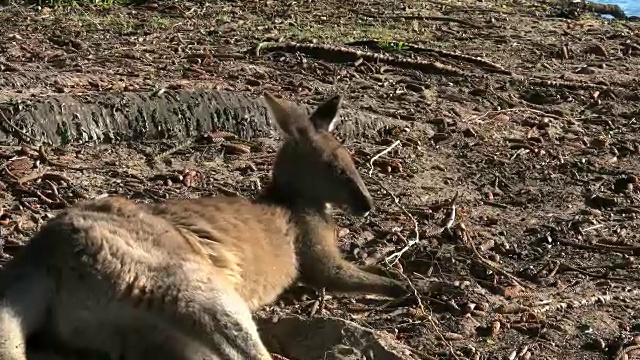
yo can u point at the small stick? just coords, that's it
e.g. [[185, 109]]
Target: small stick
[[377, 156], [593, 227], [343, 54], [45, 157], [488, 263], [503, 111], [393, 258], [178, 147], [34, 175], [452, 216], [416, 228]]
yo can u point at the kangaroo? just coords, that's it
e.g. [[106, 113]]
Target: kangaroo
[[180, 279]]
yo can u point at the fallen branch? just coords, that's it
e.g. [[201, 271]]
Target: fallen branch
[[576, 303], [623, 249], [421, 17], [34, 175], [455, 7], [448, 54], [566, 84], [44, 156], [602, 9], [505, 111], [342, 54]]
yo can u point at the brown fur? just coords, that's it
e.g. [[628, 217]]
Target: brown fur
[[178, 280]]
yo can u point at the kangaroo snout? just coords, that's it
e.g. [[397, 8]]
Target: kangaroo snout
[[363, 205]]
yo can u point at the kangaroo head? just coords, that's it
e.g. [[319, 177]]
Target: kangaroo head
[[312, 168]]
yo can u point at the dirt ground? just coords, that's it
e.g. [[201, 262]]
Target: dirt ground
[[530, 161]]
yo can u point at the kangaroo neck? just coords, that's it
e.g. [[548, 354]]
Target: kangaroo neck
[[287, 197], [307, 217]]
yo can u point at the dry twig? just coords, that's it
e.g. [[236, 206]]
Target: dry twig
[[580, 302], [512, 110], [393, 258], [488, 263], [377, 156], [42, 152], [180, 146]]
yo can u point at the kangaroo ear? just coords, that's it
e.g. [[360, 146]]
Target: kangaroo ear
[[327, 114], [287, 119]]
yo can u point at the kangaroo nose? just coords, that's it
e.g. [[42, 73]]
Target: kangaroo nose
[[364, 205]]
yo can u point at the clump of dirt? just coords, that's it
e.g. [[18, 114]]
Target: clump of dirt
[[518, 196]]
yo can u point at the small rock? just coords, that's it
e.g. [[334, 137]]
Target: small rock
[[438, 137], [452, 336], [600, 201], [587, 70], [599, 143], [395, 166], [495, 329], [511, 292], [597, 50], [599, 344], [544, 123], [483, 306], [469, 307], [415, 88], [343, 232], [489, 244], [469, 132], [501, 118], [621, 185], [253, 82], [236, 149]]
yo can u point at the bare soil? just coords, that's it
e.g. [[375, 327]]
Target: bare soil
[[533, 112]]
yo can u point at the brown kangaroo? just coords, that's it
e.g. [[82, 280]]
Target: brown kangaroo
[[179, 279]]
